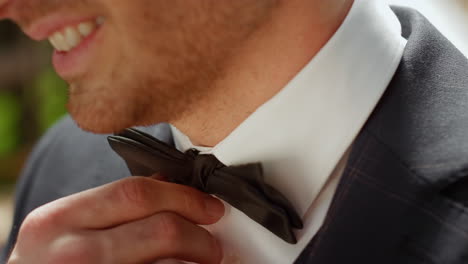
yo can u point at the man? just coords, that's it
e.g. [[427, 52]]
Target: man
[[357, 112]]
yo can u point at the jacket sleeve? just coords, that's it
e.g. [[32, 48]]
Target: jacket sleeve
[[26, 184]]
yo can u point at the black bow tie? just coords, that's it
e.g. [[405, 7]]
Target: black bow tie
[[242, 186]]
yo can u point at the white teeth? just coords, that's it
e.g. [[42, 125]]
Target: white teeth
[[53, 41], [71, 37], [86, 28], [60, 41]]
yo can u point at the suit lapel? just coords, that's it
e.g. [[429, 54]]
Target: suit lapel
[[371, 213], [384, 212], [391, 205]]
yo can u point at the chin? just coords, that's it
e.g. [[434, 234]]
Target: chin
[[96, 110], [99, 121], [98, 125], [102, 119]]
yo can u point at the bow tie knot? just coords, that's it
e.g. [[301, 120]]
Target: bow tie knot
[[241, 186], [203, 167]]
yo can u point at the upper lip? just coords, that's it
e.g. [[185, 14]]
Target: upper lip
[[3, 7], [45, 27], [39, 28]]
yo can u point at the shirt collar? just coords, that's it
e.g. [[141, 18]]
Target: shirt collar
[[302, 132]]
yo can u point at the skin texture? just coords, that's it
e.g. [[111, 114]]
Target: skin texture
[[130, 224], [154, 57], [202, 65]]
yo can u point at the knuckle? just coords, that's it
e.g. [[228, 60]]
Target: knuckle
[[14, 258], [41, 219], [191, 200], [76, 248], [33, 222], [169, 231], [135, 190]]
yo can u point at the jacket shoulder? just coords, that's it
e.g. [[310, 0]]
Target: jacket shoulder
[[65, 161], [423, 115]]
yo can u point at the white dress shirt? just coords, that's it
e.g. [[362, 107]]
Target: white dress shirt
[[303, 134]]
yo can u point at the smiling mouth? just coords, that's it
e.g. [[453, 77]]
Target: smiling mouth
[[70, 37]]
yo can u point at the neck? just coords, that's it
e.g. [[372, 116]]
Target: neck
[[267, 61]]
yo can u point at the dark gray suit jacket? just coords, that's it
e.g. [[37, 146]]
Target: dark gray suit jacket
[[403, 197]]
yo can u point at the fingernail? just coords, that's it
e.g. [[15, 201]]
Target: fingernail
[[214, 207], [159, 177]]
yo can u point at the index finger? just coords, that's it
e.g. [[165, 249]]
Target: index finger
[[132, 199]]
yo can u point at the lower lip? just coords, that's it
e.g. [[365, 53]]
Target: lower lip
[[72, 63]]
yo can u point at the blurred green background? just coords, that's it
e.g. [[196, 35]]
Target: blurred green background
[[32, 98]]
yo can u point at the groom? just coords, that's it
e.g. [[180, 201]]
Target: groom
[[357, 112]]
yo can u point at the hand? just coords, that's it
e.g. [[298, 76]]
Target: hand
[[135, 220]]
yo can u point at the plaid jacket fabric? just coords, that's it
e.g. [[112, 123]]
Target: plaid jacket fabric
[[403, 197]]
